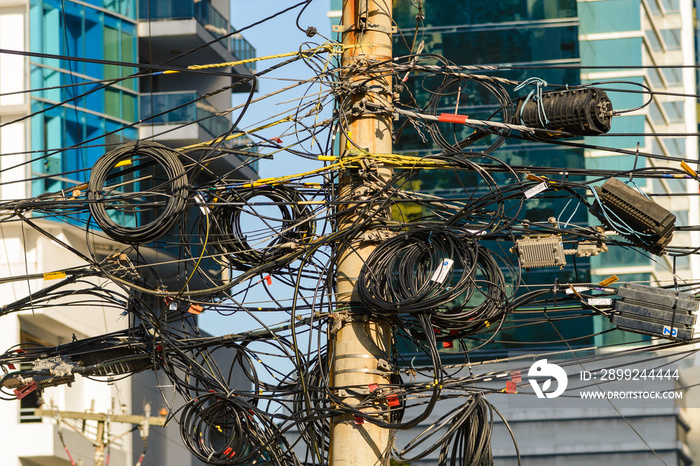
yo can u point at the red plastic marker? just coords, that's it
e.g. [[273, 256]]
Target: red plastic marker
[[452, 118]]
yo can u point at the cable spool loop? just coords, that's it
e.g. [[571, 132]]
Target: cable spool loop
[[220, 429], [440, 272], [166, 176], [229, 238]]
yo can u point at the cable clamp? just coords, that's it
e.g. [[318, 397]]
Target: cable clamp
[[339, 319], [343, 28]]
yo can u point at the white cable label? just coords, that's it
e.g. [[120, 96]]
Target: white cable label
[[578, 289], [535, 190], [202, 205], [441, 273], [600, 301]]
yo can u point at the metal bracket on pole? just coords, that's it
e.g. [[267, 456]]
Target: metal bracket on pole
[[370, 27]]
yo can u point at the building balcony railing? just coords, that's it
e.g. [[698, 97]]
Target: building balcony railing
[[181, 108], [208, 16], [171, 108], [241, 49]]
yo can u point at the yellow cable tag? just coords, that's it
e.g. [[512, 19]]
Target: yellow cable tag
[[54, 275], [532, 177], [123, 163], [575, 291], [311, 202], [689, 170], [609, 281], [327, 158]]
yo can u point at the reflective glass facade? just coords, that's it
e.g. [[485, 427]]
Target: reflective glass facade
[[586, 36], [535, 34], [94, 115]]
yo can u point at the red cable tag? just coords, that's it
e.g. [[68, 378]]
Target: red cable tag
[[393, 400], [359, 420], [195, 309], [268, 279], [26, 390], [511, 387], [452, 118], [372, 387], [516, 377]]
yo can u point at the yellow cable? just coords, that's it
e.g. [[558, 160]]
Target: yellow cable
[[238, 134], [394, 159], [310, 53]]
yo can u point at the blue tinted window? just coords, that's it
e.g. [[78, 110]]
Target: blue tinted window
[[609, 16], [672, 38], [627, 51], [452, 12]]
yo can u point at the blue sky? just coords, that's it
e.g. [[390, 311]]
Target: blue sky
[[276, 36]]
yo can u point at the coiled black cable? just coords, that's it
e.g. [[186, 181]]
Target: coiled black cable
[[152, 211], [228, 237], [465, 436], [221, 429], [442, 272]]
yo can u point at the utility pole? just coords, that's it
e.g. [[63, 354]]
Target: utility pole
[[101, 441], [360, 345]]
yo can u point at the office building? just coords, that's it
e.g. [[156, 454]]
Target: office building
[[77, 109]]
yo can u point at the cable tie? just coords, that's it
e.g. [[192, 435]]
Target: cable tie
[[634, 166], [609, 281], [575, 292], [689, 170], [541, 179]]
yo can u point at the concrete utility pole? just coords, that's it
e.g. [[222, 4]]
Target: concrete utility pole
[[361, 346], [102, 418]]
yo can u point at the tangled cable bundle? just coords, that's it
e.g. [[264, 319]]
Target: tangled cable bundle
[[228, 236], [435, 271], [465, 436], [221, 429], [163, 201], [466, 216], [460, 87]]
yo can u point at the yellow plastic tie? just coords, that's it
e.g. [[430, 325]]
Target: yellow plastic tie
[[689, 170], [609, 281], [575, 291], [123, 163], [54, 275]]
